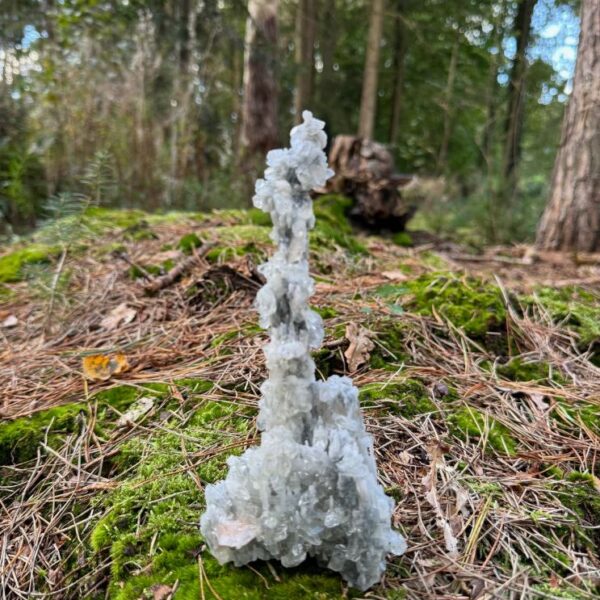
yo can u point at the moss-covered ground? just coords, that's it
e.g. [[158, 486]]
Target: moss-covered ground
[[482, 396]]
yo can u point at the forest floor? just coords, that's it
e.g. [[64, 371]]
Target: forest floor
[[124, 389]]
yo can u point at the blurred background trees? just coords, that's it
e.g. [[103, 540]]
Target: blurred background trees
[[174, 101]]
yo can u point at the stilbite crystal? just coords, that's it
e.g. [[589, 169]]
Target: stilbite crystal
[[310, 488]]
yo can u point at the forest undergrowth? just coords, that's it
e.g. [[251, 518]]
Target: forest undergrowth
[[130, 370]]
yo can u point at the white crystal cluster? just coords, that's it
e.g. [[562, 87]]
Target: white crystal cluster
[[310, 488]]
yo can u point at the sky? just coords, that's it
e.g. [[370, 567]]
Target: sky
[[556, 30]]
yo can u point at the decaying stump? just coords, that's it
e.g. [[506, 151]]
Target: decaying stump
[[364, 171]]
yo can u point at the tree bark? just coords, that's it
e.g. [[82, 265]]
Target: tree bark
[[516, 92], [305, 42], [571, 220], [448, 108], [399, 55], [325, 88], [368, 103], [259, 107]]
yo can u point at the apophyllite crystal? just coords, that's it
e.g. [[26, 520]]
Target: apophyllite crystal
[[310, 488]]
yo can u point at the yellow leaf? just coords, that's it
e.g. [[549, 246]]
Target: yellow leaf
[[100, 367]]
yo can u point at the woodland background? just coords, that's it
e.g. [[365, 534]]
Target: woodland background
[[138, 103]]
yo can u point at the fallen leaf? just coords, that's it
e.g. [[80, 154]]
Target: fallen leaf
[[100, 367], [121, 315], [136, 412], [10, 321], [360, 347], [395, 275], [405, 457]]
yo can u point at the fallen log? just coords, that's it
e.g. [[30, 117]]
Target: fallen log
[[178, 271], [364, 171]]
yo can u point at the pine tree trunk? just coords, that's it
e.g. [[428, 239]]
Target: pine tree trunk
[[399, 55], [259, 108], [305, 42], [325, 87], [571, 220], [368, 101], [516, 92], [448, 109]]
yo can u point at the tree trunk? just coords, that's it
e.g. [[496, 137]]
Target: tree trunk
[[399, 55], [259, 108], [368, 101], [448, 109], [305, 42], [516, 92], [325, 88], [571, 220]]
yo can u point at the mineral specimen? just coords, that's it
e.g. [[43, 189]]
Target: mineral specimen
[[310, 488]]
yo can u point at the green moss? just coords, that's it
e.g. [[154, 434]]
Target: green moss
[[101, 219], [150, 523], [484, 488], [189, 242], [255, 234], [572, 413], [258, 217], [402, 238], [580, 495], [326, 312], [408, 398], [141, 234], [195, 386], [547, 590], [332, 226], [221, 254], [518, 369], [12, 264], [468, 303], [20, 438], [466, 423], [389, 348], [573, 307]]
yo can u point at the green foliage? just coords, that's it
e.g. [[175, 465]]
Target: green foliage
[[468, 423]]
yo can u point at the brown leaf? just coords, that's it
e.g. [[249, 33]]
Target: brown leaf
[[100, 367], [359, 350], [121, 315]]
